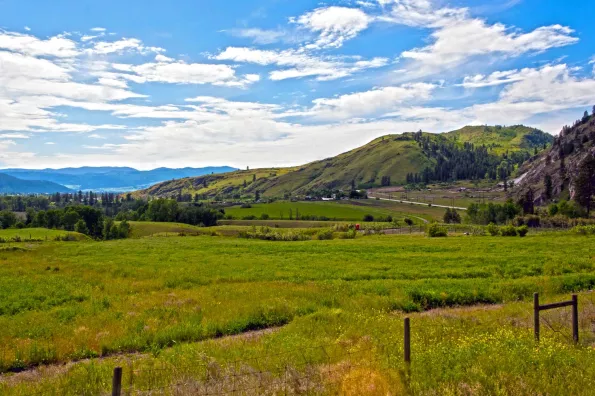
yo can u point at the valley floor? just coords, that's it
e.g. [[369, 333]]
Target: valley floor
[[164, 309]]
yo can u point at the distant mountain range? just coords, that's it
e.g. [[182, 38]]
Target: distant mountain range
[[113, 179], [13, 185]]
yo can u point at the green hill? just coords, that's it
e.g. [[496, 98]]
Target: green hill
[[471, 152]]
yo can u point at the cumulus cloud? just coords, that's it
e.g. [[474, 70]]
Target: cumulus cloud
[[371, 102], [458, 37], [57, 46], [334, 25]]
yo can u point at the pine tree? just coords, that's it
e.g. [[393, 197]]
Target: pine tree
[[585, 183], [549, 188]]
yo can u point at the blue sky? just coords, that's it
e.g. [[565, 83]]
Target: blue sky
[[277, 82]]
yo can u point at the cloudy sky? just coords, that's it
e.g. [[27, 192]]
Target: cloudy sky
[[277, 82]]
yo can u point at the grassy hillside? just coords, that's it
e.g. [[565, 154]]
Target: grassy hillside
[[501, 139], [394, 156]]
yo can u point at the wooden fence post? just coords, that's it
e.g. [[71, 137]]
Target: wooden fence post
[[117, 382], [575, 318], [536, 315], [407, 341]]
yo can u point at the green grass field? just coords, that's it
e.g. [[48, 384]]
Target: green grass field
[[38, 233], [171, 298], [334, 210]]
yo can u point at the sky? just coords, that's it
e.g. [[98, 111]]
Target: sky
[[270, 83]]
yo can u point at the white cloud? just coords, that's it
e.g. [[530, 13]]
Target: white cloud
[[50, 143], [260, 36], [163, 58], [13, 136], [370, 102], [121, 46], [495, 78], [335, 25], [457, 36], [27, 28], [98, 29], [57, 46], [297, 64], [185, 73], [88, 38], [95, 136]]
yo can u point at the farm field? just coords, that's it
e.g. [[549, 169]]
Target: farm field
[[171, 298], [38, 233], [333, 210]]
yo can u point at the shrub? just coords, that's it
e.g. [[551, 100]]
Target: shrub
[[324, 235], [434, 230], [522, 230], [251, 217], [584, 230], [245, 206], [20, 225], [368, 218], [350, 234], [264, 216], [508, 230], [408, 221], [493, 229]]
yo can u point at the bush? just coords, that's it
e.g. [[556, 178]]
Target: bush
[[245, 206], [508, 230], [434, 230], [584, 230], [350, 234], [20, 225], [522, 230], [493, 229], [251, 217], [408, 221], [368, 218], [264, 216], [324, 235]]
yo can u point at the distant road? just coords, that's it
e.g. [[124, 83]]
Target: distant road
[[415, 203]]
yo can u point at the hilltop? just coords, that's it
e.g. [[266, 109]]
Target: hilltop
[[560, 162], [13, 185], [471, 152]]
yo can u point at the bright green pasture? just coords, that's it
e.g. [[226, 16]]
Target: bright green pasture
[[71, 300], [38, 233], [334, 210]]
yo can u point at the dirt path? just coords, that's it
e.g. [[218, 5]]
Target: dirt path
[[53, 370], [416, 203]]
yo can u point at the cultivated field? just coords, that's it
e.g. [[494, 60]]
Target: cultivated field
[[334, 210], [164, 308]]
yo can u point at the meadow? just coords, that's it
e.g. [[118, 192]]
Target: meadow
[[332, 210], [176, 300]]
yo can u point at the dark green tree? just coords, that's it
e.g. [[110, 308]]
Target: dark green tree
[[585, 183], [549, 187]]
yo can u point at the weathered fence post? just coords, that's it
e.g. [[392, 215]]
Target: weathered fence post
[[117, 382], [536, 315], [407, 340], [575, 318]]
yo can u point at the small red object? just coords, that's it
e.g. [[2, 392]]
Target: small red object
[[357, 227]]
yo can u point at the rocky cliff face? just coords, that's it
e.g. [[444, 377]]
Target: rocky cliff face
[[560, 162]]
